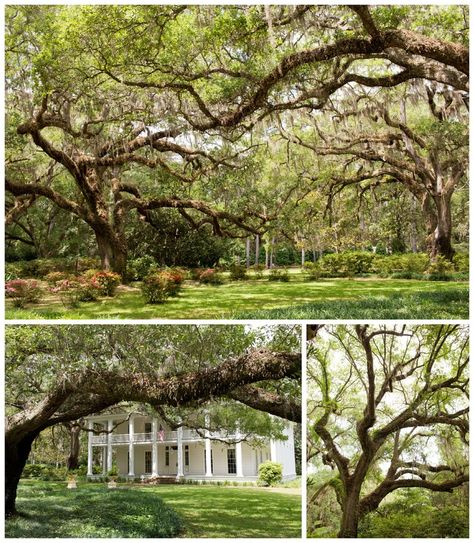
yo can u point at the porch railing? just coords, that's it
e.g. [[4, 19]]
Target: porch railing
[[188, 435]]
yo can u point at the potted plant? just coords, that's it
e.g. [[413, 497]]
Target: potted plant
[[112, 474], [71, 480]]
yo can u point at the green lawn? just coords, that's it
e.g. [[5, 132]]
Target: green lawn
[[326, 298], [50, 510]]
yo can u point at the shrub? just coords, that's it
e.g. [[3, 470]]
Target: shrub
[[68, 292], [159, 286], [410, 262], [22, 291], [238, 272], [313, 271], [89, 289], [277, 274], [210, 277], [90, 273], [54, 277], [346, 264], [440, 265], [270, 473], [402, 275], [259, 270], [108, 281], [461, 262], [141, 267], [175, 278], [195, 273], [13, 270], [43, 472]]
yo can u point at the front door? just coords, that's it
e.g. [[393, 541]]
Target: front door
[[171, 460]]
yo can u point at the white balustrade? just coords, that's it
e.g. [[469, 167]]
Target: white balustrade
[[188, 435]]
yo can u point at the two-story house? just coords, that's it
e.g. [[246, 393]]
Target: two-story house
[[143, 447]]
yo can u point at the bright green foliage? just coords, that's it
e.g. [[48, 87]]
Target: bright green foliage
[[416, 514], [270, 473]]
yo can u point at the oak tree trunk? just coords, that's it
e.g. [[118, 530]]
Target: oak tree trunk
[[16, 455], [441, 241], [350, 516], [112, 252], [74, 447]]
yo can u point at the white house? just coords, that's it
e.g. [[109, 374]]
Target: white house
[[143, 447]]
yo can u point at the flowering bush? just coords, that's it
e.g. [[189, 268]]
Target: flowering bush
[[108, 281], [73, 291], [68, 292], [210, 277], [22, 291], [156, 288], [56, 276], [175, 278]]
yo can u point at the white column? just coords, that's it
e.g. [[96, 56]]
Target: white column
[[110, 425], [154, 450], [90, 426], [239, 466], [273, 452], [180, 452], [131, 458], [208, 456]]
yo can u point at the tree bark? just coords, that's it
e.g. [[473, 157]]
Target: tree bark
[[74, 431], [437, 212], [441, 241], [16, 455], [112, 251], [350, 516]]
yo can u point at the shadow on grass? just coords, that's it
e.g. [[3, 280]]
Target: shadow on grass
[[239, 299], [90, 511], [153, 512]]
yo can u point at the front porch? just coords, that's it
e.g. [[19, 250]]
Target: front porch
[[183, 454]]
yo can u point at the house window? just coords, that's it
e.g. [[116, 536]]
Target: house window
[[148, 428], [186, 456], [212, 461], [147, 461], [231, 461], [167, 456]]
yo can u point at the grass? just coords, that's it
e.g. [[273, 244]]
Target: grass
[[326, 298], [50, 510]]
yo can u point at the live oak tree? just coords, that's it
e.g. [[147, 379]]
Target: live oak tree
[[415, 136], [196, 375], [104, 121], [381, 401]]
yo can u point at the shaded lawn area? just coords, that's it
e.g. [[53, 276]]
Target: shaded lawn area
[[239, 299], [162, 511]]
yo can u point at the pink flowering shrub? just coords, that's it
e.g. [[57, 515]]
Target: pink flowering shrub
[[158, 286], [210, 277], [23, 291], [108, 281], [73, 291]]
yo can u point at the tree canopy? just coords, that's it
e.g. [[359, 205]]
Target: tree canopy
[[388, 410], [106, 124]]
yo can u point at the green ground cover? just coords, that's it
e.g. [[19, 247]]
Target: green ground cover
[[260, 298], [92, 510]]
